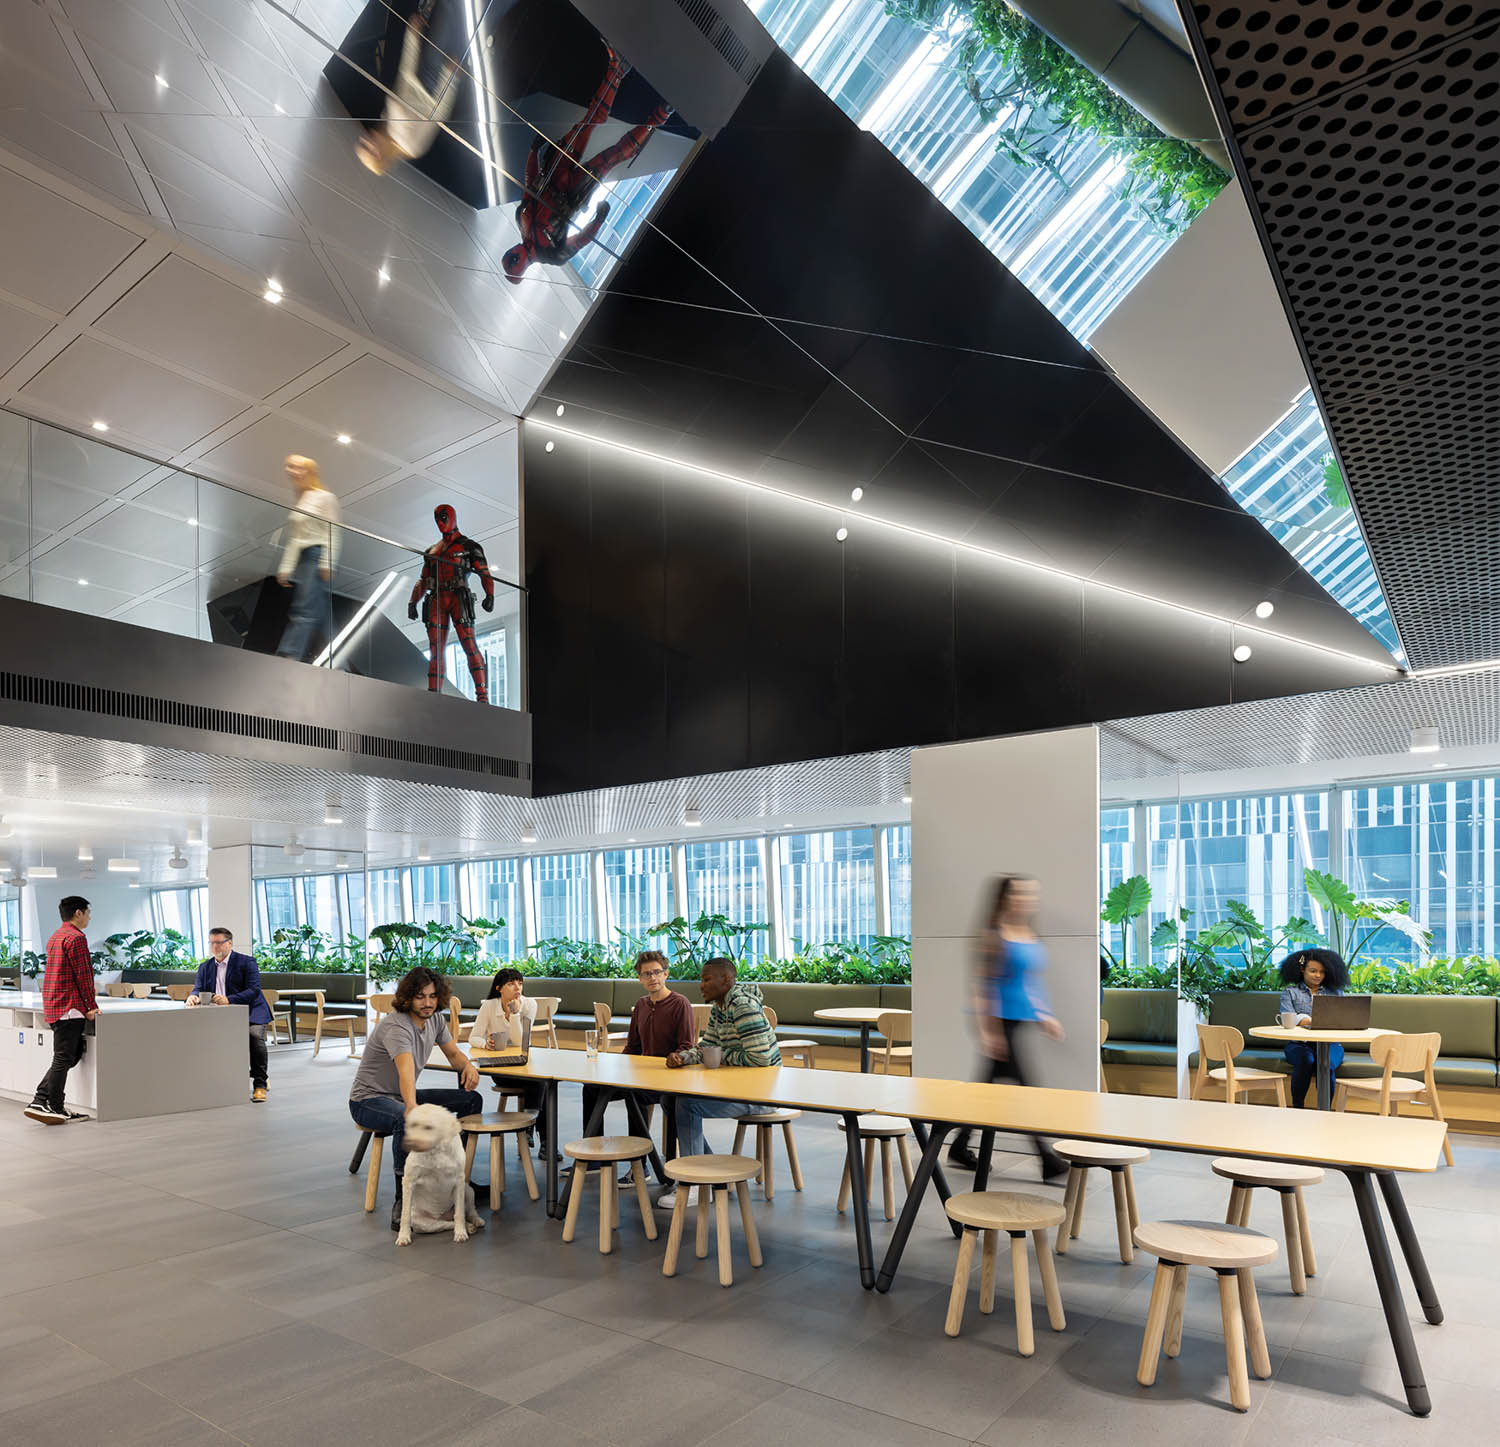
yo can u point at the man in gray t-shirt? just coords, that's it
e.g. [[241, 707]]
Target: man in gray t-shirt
[[385, 1085]]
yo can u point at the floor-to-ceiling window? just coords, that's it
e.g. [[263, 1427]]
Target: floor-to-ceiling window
[[182, 910], [638, 887], [828, 886], [898, 877], [386, 904], [434, 894], [494, 893], [727, 877], [1116, 864], [564, 899]]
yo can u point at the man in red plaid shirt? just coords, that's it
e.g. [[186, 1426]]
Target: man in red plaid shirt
[[68, 1003]]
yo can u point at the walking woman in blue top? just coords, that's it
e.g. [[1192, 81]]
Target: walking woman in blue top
[[1305, 974], [1011, 1003]]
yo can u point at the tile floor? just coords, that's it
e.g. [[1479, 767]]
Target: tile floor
[[212, 1278]]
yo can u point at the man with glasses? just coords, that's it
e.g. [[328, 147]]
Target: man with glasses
[[661, 1023]]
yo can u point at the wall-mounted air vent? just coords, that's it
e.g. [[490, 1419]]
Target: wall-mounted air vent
[[722, 37]]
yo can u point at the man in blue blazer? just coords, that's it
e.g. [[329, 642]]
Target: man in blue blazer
[[227, 977]]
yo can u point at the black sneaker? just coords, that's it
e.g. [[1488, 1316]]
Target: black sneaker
[[39, 1110], [963, 1158], [75, 1115]]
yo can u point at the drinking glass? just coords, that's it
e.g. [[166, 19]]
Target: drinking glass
[[591, 1044]]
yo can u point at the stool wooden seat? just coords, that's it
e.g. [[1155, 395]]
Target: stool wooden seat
[[1287, 1181], [1230, 1251], [501, 1124], [372, 1179], [713, 1175], [764, 1123], [884, 1129], [604, 1152], [988, 1213], [1082, 1156]]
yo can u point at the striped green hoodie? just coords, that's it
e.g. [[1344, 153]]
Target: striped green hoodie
[[737, 1024]]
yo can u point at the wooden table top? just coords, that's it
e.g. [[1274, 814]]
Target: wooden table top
[[1316, 1137], [1313, 1037], [853, 1014]]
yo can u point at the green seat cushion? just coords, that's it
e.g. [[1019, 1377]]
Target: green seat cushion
[[471, 990], [1139, 1052], [1446, 1070], [895, 997], [1246, 1009], [1466, 1023], [1144, 1015]]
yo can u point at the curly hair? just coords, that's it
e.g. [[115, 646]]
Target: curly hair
[[503, 977], [1335, 971], [413, 982]]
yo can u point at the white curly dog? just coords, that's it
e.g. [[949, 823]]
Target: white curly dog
[[436, 1192]]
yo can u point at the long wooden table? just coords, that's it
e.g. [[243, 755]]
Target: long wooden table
[[1366, 1149]]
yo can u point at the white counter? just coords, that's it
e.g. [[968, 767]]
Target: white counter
[[144, 1057]]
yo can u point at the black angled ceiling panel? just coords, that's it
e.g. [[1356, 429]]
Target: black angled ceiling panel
[[1369, 136]]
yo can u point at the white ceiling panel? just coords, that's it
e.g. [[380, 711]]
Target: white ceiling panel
[[146, 535], [57, 591], [51, 251], [19, 332], [77, 146], [90, 378], [404, 511], [251, 346], [488, 470], [256, 457], [59, 458], [105, 567], [293, 263]]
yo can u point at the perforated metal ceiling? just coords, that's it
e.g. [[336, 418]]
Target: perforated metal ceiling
[[1369, 133]]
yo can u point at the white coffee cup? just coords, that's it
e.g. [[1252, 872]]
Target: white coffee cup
[[713, 1056], [1288, 1019]]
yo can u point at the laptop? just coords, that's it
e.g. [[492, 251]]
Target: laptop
[[513, 1055], [1340, 1012]]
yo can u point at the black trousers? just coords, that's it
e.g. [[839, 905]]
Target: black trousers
[[260, 1057], [67, 1051], [1021, 1035], [636, 1102]]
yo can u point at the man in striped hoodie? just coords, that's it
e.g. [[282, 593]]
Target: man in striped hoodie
[[737, 1027]]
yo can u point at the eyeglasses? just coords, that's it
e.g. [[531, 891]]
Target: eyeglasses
[[653, 974]]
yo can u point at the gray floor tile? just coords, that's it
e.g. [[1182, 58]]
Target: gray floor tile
[[410, 1314], [797, 1416], [121, 1413], [36, 1364], [1454, 1351]]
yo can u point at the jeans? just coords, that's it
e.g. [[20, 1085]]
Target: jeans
[[386, 1115], [1303, 1059], [67, 1051], [311, 616], [692, 1111], [260, 1057]]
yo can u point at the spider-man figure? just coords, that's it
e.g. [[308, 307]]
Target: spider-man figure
[[443, 584], [553, 199]]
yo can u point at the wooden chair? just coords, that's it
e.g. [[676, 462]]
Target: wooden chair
[[764, 1123], [495, 1128], [804, 1052], [700, 1019], [884, 1129], [117, 991], [545, 1024], [1400, 1053], [713, 1176], [987, 1214], [1081, 1156], [604, 1153], [1230, 1251], [1103, 1036], [1224, 1042], [179, 992], [1287, 1181], [895, 1025], [277, 1022], [141, 990], [333, 1025], [607, 1037]]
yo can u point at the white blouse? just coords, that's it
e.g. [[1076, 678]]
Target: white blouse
[[492, 1017]]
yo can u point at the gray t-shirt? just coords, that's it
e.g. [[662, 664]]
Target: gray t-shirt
[[396, 1034]]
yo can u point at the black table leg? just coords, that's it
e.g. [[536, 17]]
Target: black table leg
[[927, 1169], [1416, 1263], [864, 1047], [986, 1154], [1325, 1076], [859, 1194], [549, 1117], [919, 1129], [1410, 1365]]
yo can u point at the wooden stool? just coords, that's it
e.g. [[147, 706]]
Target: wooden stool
[[497, 1127], [885, 1129], [1287, 1181], [765, 1123], [372, 1179], [713, 1175], [604, 1153], [988, 1213], [1117, 1160], [1232, 1252]]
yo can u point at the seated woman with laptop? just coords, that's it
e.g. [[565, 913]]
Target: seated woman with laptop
[[504, 1023], [1310, 976]]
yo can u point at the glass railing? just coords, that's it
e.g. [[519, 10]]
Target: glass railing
[[93, 528]]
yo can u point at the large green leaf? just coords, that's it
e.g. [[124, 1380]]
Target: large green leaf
[[1330, 892], [1244, 917], [1165, 936], [1127, 900]]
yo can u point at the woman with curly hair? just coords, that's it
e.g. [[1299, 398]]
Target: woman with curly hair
[[1305, 974]]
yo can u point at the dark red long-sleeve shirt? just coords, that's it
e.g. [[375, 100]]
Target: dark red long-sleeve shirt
[[660, 1029], [69, 981]]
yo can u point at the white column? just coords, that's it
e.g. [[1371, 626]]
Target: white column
[[231, 894], [603, 921], [679, 881], [882, 884], [770, 864]]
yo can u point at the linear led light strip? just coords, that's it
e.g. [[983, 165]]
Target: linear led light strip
[[365, 609], [975, 549], [1448, 670]]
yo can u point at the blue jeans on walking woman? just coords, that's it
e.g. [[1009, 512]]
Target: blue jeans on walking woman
[[1303, 1059], [311, 616]]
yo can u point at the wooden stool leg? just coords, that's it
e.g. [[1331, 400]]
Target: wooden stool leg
[[905, 1153], [739, 1138], [1122, 1217], [1255, 1331], [372, 1180], [470, 1146], [987, 1254], [845, 1190], [497, 1166], [705, 1210], [1045, 1264], [606, 1174], [1135, 1215], [526, 1169], [1156, 1321], [1232, 1215], [752, 1236], [1175, 1309], [1234, 1341], [1070, 1197], [960, 1282], [575, 1199], [1292, 1229], [643, 1198], [1020, 1270], [869, 1168], [763, 1143], [1246, 1197], [888, 1178], [791, 1154], [674, 1231], [1083, 1184], [721, 1215], [1309, 1261]]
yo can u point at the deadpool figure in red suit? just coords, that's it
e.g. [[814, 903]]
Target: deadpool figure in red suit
[[444, 593]]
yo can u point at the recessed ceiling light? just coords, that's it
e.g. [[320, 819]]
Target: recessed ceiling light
[[123, 865], [271, 296], [384, 275], [192, 522], [1264, 608], [858, 493], [561, 409], [161, 80], [343, 439], [691, 817], [841, 534], [562, 334], [99, 426], [423, 853], [550, 446], [85, 854], [528, 834], [42, 871], [333, 815], [1424, 741], [280, 109], [83, 582], [272, 284], [1242, 653], [1430, 766]]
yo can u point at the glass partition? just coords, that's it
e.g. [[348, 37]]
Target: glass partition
[[95, 529]]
